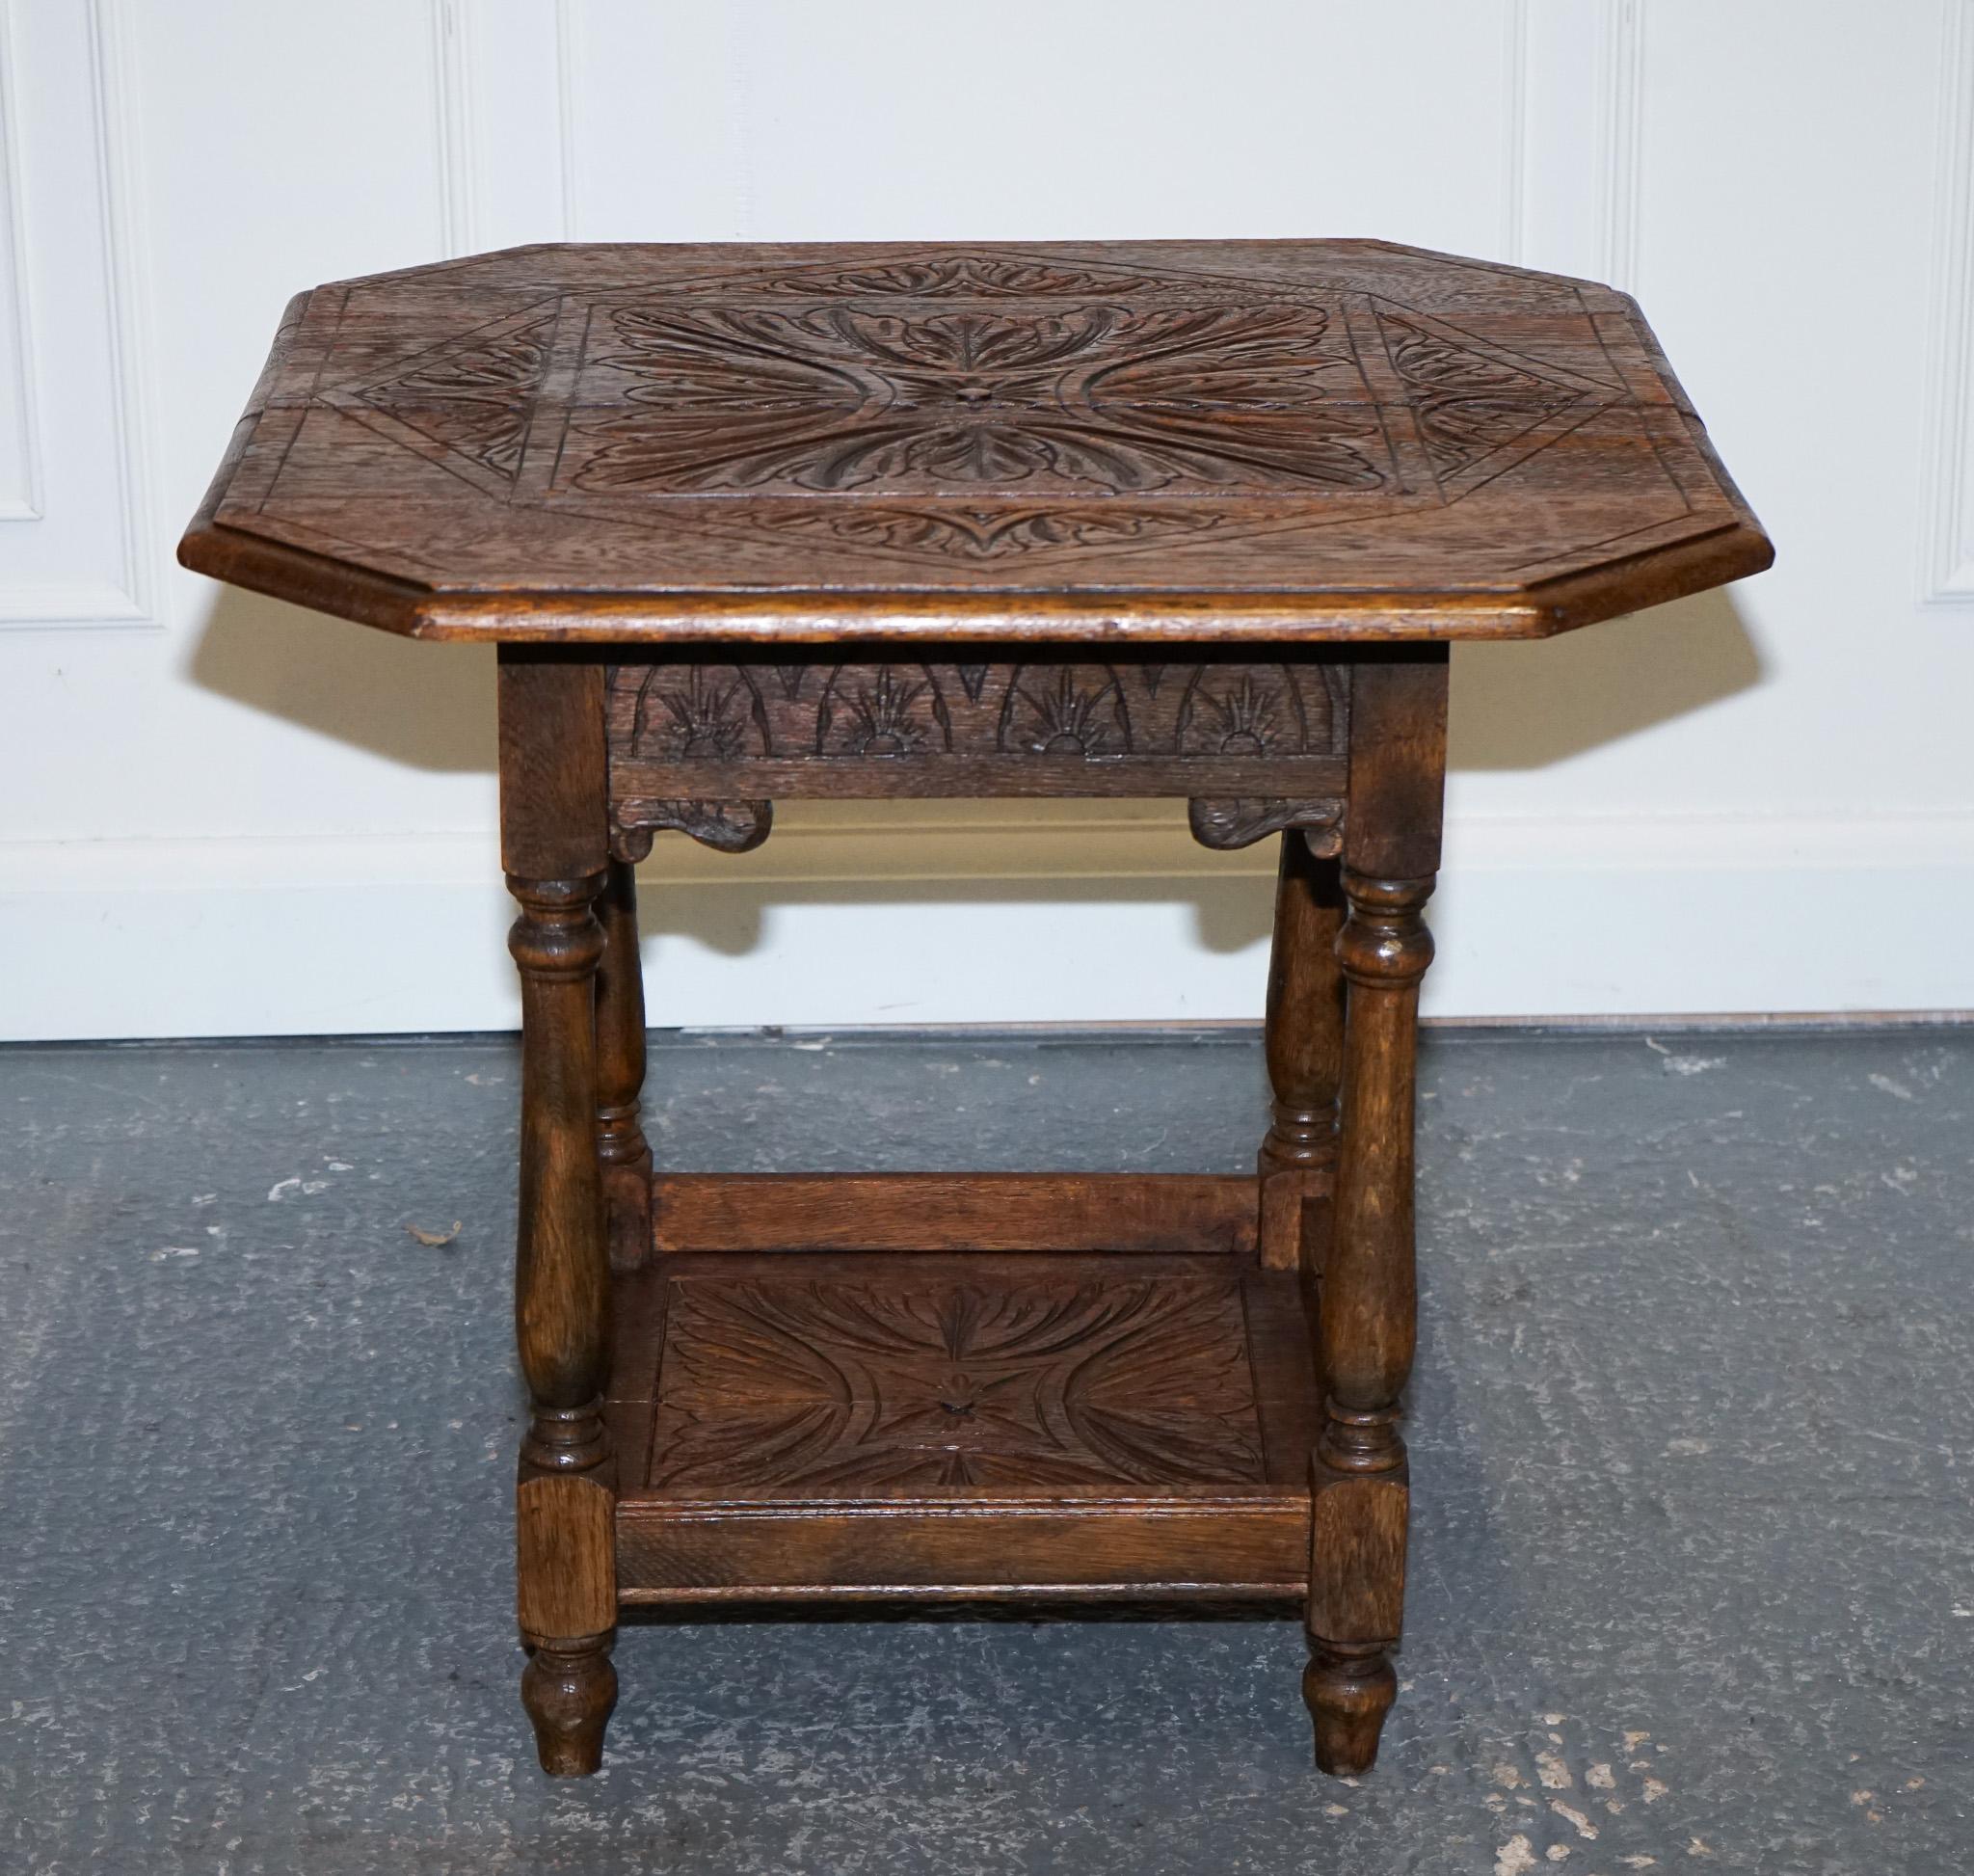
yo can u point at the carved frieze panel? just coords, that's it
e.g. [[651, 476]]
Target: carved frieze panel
[[1258, 745], [679, 714]]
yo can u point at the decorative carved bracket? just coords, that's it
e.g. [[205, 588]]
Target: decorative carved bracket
[[730, 826], [1225, 825]]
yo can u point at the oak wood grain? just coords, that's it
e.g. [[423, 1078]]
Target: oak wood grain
[[1368, 1307], [964, 1424], [1126, 441], [1303, 1040], [939, 1211], [567, 1575], [1246, 1550], [624, 1154], [553, 837]]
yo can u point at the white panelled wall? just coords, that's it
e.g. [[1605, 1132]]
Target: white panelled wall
[[222, 815]]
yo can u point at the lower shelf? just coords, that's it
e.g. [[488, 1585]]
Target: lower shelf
[[806, 1424]]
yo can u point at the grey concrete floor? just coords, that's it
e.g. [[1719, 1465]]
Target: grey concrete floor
[[1691, 1427]]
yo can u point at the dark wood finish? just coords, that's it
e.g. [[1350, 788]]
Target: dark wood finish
[[943, 1211], [1192, 520], [703, 747], [570, 1693], [966, 1424], [1349, 1691], [565, 1572], [621, 1143], [1229, 822], [1066, 1375], [1205, 1552], [1145, 441], [1390, 854], [1303, 1033], [553, 845], [638, 782]]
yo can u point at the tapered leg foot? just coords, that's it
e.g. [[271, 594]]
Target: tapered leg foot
[[569, 1694], [1348, 1696]]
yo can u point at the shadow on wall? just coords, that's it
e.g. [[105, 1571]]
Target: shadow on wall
[[1231, 908], [1531, 704], [431, 706], [1514, 706]]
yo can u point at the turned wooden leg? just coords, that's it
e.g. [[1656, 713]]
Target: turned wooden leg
[[1358, 1480], [1305, 1047], [552, 810], [621, 1143]]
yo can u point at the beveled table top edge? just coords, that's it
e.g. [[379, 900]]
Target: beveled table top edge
[[1539, 609], [296, 562]]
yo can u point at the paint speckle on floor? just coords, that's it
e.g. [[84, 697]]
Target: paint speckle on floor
[[1515, 1857]]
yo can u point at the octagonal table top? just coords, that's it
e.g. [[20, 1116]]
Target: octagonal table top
[[1114, 441]]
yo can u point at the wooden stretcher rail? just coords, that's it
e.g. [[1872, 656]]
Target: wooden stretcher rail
[[1242, 1550], [941, 1211]]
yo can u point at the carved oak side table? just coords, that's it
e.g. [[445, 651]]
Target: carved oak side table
[[1184, 520]]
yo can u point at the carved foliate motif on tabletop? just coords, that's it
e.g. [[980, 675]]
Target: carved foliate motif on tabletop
[[972, 276], [476, 398], [1468, 404], [1107, 399], [987, 534], [965, 408], [838, 1385]]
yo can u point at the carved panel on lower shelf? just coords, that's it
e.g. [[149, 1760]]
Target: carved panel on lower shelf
[[840, 1385]]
